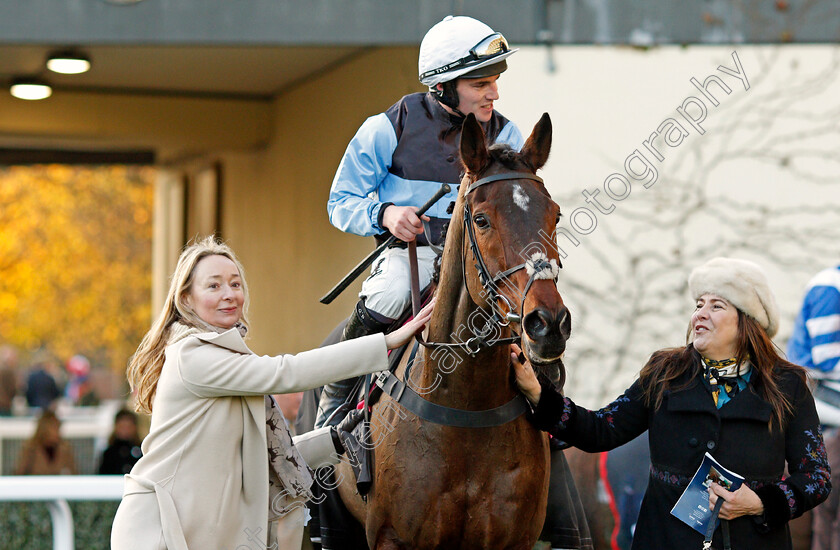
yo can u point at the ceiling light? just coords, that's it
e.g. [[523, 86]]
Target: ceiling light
[[30, 89], [68, 63]]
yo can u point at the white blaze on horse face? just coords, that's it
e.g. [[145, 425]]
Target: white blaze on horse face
[[520, 198]]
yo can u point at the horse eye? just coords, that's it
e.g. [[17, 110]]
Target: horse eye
[[481, 221], [557, 220]]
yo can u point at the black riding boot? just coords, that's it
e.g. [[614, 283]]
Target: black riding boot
[[361, 323]]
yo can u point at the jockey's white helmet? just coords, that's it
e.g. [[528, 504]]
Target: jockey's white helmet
[[461, 46]]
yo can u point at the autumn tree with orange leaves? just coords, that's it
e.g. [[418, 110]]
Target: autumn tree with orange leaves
[[75, 259]]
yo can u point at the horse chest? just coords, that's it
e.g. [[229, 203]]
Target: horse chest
[[459, 469], [462, 500]]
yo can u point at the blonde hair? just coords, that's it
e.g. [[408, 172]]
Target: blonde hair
[[145, 365]]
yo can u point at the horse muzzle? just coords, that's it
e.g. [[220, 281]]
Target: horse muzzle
[[545, 334]]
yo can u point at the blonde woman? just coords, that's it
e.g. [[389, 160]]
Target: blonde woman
[[219, 468]]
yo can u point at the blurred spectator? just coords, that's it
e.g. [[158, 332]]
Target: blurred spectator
[[46, 454], [41, 387], [815, 344], [80, 390], [8, 378], [123, 446]]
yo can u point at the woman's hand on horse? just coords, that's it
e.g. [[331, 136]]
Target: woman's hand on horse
[[526, 379], [403, 222], [406, 332], [743, 502]]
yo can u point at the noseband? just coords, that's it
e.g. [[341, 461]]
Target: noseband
[[537, 267]]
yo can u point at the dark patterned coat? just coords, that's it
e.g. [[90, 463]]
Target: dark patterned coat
[[687, 425]]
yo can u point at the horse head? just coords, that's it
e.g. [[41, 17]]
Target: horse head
[[510, 224]]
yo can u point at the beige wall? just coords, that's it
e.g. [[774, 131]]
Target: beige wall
[[274, 199], [761, 183]]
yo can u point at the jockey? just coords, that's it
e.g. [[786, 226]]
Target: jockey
[[399, 158], [815, 342]]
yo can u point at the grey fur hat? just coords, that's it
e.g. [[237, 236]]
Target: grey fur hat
[[741, 283]]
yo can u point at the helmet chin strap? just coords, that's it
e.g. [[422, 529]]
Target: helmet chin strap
[[449, 96]]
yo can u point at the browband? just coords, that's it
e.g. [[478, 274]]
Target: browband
[[503, 176]]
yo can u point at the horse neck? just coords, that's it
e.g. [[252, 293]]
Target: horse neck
[[459, 380]]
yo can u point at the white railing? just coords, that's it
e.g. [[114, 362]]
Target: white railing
[[56, 491]]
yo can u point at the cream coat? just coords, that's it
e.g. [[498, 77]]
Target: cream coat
[[203, 479]]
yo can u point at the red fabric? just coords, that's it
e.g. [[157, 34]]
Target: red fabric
[[602, 467]]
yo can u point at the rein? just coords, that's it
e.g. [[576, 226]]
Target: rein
[[538, 266]]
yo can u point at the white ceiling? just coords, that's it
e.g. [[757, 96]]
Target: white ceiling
[[248, 72]]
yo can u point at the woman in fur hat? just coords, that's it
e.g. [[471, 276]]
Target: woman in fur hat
[[219, 468], [727, 393]]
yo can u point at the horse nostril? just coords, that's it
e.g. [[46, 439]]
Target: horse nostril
[[565, 322], [537, 323]]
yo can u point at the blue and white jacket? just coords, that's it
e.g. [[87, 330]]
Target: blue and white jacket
[[401, 157], [815, 342]]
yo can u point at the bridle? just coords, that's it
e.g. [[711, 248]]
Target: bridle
[[538, 267]]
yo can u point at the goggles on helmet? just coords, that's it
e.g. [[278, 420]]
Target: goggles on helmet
[[489, 47]]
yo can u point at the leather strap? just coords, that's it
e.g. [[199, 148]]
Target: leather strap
[[502, 177], [415, 277], [366, 408], [710, 530], [724, 526], [447, 416], [400, 392]]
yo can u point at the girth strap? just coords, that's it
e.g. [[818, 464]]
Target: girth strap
[[400, 392]]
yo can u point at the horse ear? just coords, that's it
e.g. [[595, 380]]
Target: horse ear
[[474, 153], [536, 148]]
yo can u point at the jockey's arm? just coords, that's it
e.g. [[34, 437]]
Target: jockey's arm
[[354, 204]]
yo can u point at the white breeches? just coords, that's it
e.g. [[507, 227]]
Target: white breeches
[[387, 290]]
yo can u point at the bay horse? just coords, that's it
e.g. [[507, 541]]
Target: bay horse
[[481, 485]]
